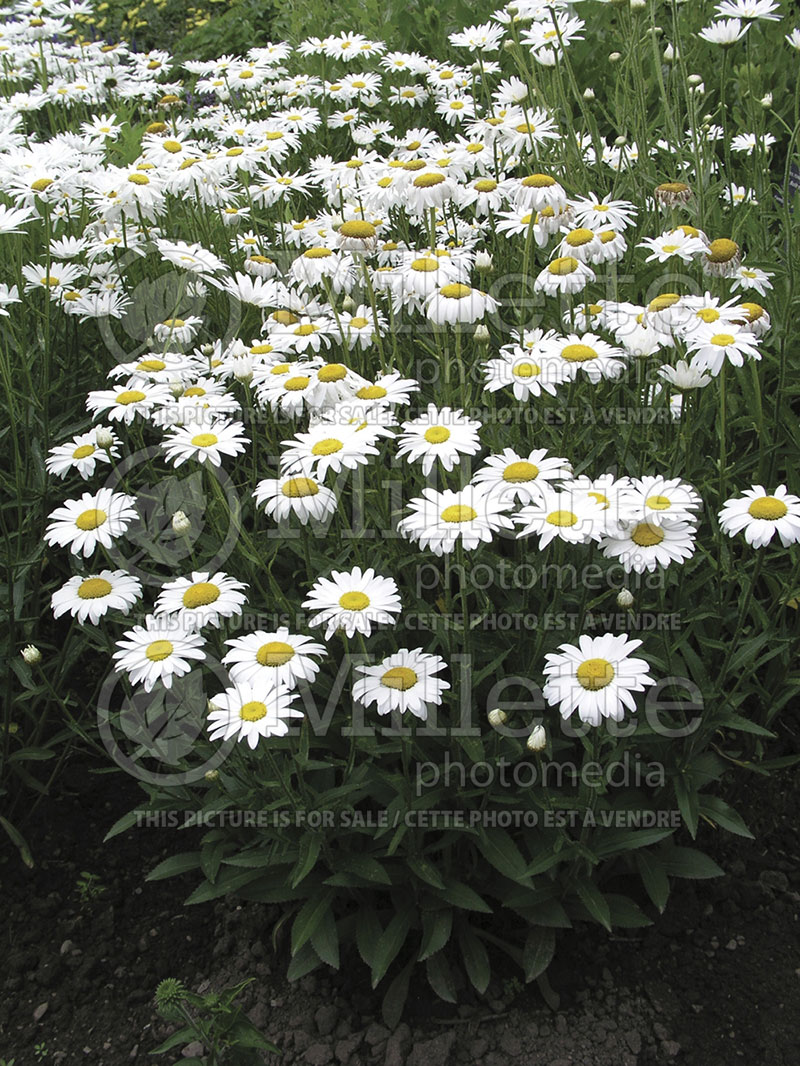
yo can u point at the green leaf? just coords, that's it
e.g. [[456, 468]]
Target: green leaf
[[595, 902], [302, 963], [325, 940], [175, 865], [717, 810], [395, 999], [612, 841], [440, 977], [688, 862], [476, 958], [500, 850], [368, 933], [122, 824], [625, 913], [436, 929], [183, 1036], [19, 841], [310, 847], [457, 894], [688, 803], [540, 946], [425, 871], [390, 943], [654, 878], [309, 917], [363, 866]]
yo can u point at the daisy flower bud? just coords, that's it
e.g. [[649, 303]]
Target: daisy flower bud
[[497, 718], [31, 654], [180, 522], [211, 775], [624, 598], [104, 438], [483, 261], [481, 334], [588, 94], [766, 101], [669, 54], [638, 5], [615, 57], [348, 304], [537, 740]]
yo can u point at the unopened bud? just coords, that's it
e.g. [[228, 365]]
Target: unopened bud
[[207, 350], [497, 718], [104, 437], [180, 522], [537, 741], [31, 654], [669, 54], [615, 57], [348, 304], [695, 79], [766, 101], [588, 94], [211, 775], [638, 5], [481, 334], [624, 598], [483, 261]]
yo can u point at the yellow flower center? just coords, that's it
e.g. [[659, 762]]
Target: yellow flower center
[[151, 364], [194, 390], [371, 392], [296, 384], [459, 512], [327, 446], [578, 353], [427, 181], [455, 291], [201, 594], [205, 440], [722, 340], [708, 314], [485, 185], [662, 302], [139, 179], [752, 311], [253, 711], [159, 650], [399, 677], [172, 146], [425, 265], [357, 228], [305, 330], [333, 372], [594, 674], [607, 235], [672, 187], [285, 318], [600, 497], [536, 181], [274, 653], [658, 503], [768, 507], [261, 349], [90, 519], [50, 280], [646, 535], [83, 450], [41, 184], [520, 471], [437, 435], [298, 487], [565, 264], [579, 237], [359, 322], [527, 370], [317, 253], [722, 250], [94, 588], [562, 518], [353, 601]]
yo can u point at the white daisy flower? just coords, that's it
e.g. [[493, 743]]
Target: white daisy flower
[[574, 517], [81, 454], [404, 681], [456, 302], [587, 352], [96, 518], [522, 478], [658, 500], [353, 601], [565, 274], [90, 597], [295, 494], [213, 441], [761, 515], [124, 402], [597, 677], [439, 519], [745, 277], [252, 712], [683, 376], [712, 345], [280, 657], [327, 446], [441, 434], [645, 545], [201, 599], [157, 651]]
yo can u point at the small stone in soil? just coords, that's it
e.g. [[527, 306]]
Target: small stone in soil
[[40, 1012]]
